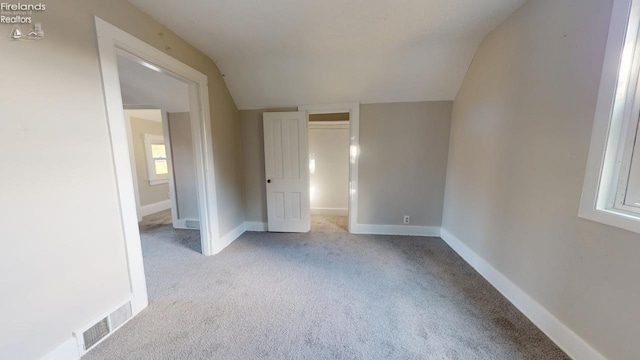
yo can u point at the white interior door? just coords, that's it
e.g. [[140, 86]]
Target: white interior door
[[286, 153]]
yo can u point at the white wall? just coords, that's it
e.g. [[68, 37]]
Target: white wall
[[519, 143], [62, 261], [183, 165], [329, 147]]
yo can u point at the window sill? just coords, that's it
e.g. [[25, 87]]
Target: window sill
[[613, 217], [158, 182]]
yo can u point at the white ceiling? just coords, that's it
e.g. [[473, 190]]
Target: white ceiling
[[294, 52], [143, 86]]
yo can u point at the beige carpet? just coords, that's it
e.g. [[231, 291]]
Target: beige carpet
[[327, 294]]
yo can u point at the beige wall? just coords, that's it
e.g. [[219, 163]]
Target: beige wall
[[519, 142], [253, 162], [65, 263], [149, 194], [402, 165], [403, 162]]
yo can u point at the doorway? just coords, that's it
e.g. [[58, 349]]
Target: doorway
[[330, 123], [111, 43], [329, 171]]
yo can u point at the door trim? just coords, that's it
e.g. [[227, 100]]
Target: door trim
[[110, 41], [354, 150]]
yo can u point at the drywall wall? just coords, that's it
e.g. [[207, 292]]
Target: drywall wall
[[183, 165], [65, 262], [149, 194], [403, 162], [519, 142], [253, 163], [329, 178]]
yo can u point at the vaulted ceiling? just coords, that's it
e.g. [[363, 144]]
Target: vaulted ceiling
[[294, 52]]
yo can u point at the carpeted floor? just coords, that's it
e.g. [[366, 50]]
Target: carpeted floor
[[322, 295]]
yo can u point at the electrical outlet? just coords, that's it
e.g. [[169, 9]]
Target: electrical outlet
[[407, 219]]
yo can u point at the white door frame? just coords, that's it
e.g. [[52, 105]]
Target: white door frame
[[354, 149], [110, 40]]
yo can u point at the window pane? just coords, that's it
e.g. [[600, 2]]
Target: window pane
[[161, 167], [158, 151]]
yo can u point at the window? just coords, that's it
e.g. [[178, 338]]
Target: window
[[611, 192], [156, 154]]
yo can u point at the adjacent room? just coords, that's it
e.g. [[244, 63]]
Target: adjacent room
[[375, 179], [329, 171]]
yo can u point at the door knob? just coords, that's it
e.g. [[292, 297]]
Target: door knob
[[269, 181]]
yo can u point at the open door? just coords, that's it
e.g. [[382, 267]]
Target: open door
[[287, 171]]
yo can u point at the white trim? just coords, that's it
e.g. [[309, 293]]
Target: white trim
[[78, 333], [229, 237], [564, 337], [603, 165], [182, 223], [354, 149], [326, 125], [132, 161], [110, 40], [411, 230], [330, 211], [158, 182], [255, 226], [149, 209], [68, 350]]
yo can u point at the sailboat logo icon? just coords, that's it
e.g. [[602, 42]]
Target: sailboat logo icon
[[16, 33]]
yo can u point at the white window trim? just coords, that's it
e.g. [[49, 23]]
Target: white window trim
[[600, 196], [154, 179]]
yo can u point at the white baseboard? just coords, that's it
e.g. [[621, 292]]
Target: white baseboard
[[154, 208], [564, 337], [182, 224], [68, 350], [396, 230], [330, 211], [228, 238], [256, 226]]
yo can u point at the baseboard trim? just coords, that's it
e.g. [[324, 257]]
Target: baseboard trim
[[558, 332], [256, 226], [182, 224], [410, 230], [68, 350], [228, 238], [154, 208], [330, 211]]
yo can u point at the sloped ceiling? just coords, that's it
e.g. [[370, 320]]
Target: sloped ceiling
[[293, 52]]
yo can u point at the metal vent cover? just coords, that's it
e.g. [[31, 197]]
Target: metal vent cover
[[96, 333], [193, 224], [122, 314]]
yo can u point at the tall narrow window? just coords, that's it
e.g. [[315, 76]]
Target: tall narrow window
[[611, 192], [156, 154]]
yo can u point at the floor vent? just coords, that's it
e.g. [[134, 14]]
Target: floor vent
[[120, 316], [95, 333], [88, 337], [192, 224]]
